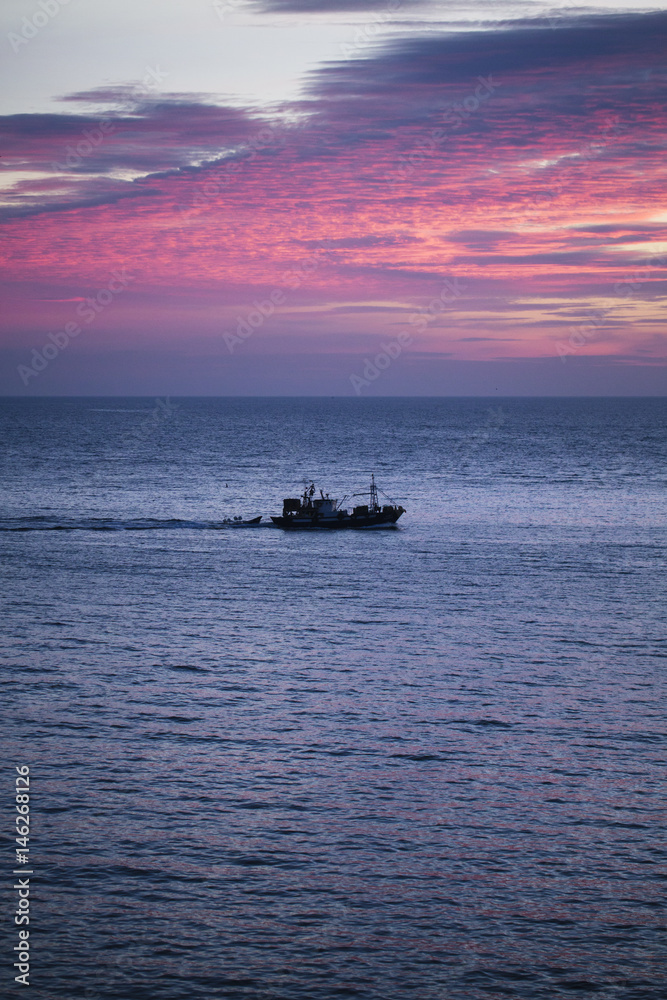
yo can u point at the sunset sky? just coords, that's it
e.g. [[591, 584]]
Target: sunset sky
[[270, 196]]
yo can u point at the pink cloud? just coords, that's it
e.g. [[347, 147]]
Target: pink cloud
[[399, 178]]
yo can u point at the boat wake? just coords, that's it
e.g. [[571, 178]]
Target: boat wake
[[45, 523]]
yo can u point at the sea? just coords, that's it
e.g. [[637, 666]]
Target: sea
[[422, 763]]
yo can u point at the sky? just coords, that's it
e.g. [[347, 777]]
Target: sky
[[332, 197]]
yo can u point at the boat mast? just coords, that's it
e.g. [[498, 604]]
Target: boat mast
[[374, 491]]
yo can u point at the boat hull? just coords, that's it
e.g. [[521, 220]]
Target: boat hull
[[298, 522]]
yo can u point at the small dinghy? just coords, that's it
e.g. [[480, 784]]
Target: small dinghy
[[239, 522]]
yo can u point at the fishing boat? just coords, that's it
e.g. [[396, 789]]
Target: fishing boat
[[324, 512]]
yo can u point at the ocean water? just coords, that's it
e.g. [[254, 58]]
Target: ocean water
[[415, 763]]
